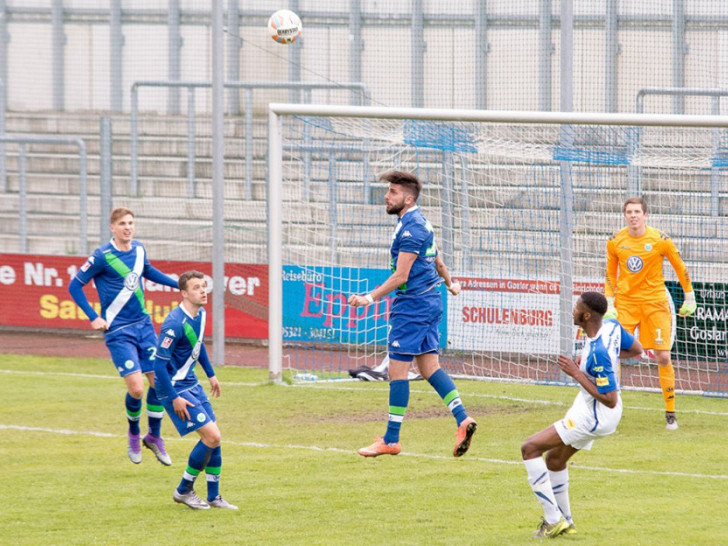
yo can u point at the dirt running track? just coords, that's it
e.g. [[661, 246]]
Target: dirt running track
[[91, 345]]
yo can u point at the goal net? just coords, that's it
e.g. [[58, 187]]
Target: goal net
[[522, 210]]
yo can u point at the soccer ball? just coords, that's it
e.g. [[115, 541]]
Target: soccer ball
[[284, 26]]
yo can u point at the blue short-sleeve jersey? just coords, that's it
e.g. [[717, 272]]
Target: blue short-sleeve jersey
[[180, 347], [414, 234], [118, 276], [600, 356]]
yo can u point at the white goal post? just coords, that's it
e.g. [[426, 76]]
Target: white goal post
[[503, 158]]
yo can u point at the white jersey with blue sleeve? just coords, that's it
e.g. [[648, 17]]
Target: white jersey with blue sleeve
[[588, 419], [180, 347], [118, 276], [600, 357], [414, 234]]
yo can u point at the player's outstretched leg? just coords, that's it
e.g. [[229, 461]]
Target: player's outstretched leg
[[467, 426]]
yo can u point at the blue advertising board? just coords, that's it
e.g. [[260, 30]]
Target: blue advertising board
[[315, 307]]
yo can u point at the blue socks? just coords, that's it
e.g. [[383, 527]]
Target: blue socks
[[398, 399], [133, 411], [445, 387], [155, 412], [212, 471], [199, 458]]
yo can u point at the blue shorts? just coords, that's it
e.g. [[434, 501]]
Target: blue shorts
[[413, 325], [133, 347], [200, 414]]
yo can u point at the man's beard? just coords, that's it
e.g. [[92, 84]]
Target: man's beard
[[395, 209]]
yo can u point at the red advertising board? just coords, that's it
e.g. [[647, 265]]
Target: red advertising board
[[34, 293]]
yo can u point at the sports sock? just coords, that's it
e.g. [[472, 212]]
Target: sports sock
[[445, 387], [560, 487], [212, 472], [133, 412], [199, 457], [398, 399], [538, 479], [155, 412], [667, 383]]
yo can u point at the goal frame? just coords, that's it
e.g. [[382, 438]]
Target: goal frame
[[275, 183]]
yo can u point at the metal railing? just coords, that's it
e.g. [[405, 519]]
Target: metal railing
[[22, 141], [249, 88]]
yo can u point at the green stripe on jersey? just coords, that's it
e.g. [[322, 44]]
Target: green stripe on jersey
[[123, 270], [190, 333]]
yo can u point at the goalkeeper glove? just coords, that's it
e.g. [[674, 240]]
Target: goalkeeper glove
[[611, 309], [689, 306]]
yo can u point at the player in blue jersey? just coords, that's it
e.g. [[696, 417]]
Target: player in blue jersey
[[595, 413], [118, 269], [417, 271], [180, 347]]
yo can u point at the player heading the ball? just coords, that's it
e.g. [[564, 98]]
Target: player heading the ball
[[417, 271]]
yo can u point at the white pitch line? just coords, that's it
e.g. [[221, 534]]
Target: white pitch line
[[508, 398], [337, 386], [58, 431], [319, 449]]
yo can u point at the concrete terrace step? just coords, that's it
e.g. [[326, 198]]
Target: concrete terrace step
[[87, 125], [172, 145]]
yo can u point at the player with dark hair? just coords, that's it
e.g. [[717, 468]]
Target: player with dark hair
[[118, 269], [595, 412], [635, 289], [180, 347], [417, 271]]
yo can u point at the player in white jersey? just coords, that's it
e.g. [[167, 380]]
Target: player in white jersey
[[596, 412], [118, 269], [180, 347]]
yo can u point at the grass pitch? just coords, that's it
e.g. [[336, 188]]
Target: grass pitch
[[290, 463]]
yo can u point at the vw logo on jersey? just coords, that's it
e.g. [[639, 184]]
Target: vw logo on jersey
[[131, 281], [634, 264]]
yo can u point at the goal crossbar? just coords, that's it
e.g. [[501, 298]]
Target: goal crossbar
[[275, 170]]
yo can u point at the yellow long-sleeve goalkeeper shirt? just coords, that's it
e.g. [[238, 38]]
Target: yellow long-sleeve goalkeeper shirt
[[634, 266]]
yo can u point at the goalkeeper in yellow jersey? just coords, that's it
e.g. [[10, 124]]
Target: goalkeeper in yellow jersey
[[635, 290]]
